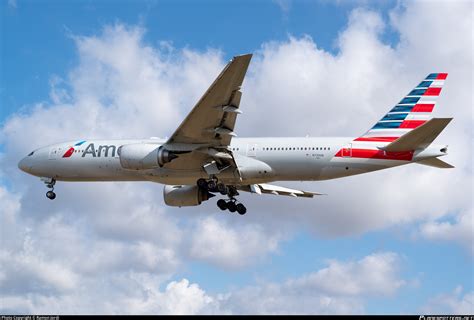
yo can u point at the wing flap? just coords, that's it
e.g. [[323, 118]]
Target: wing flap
[[278, 190]]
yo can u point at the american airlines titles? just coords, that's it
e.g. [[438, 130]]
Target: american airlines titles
[[102, 151]]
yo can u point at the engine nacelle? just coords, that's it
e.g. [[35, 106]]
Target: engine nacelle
[[140, 156], [184, 196]]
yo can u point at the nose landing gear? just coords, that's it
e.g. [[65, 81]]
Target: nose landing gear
[[50, 182], [51, 195]]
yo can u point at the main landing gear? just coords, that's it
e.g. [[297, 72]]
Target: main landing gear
[[231, 204], [50, 184]]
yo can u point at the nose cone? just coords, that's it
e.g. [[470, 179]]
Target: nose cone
[[24, 165]]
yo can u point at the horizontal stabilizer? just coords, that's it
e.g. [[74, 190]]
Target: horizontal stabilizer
[[277, 190], [435, 162], [420, 137]]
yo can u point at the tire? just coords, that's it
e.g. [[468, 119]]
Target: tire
[[51, 195], [241, 209], [211, 185], [202, 183], [222, 204], [222, 188], [231, 206]]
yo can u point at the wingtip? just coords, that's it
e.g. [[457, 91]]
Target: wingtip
[[243, 56]]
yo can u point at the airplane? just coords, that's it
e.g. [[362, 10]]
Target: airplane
[[204, 158]]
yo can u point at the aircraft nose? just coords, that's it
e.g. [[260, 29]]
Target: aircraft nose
[[23, 165]]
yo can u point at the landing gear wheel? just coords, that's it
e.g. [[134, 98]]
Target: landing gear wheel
[[241, 209], [222, 188], [222, 204], [51, 195], [231, 206], [202, 183], [211, 185]]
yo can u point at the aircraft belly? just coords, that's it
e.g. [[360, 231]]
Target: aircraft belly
[[287, 168], [79, 169], [343, 167], [174, 177]]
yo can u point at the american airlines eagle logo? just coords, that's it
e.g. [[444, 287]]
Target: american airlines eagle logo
[[71, 150]]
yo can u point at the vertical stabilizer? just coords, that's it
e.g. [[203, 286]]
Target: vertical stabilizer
[[411, 112]]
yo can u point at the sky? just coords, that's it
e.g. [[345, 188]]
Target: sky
[[398, 241]]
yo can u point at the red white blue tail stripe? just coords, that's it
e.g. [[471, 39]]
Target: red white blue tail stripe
[[411, 112]]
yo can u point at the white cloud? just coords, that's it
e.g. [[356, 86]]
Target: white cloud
[[140, 293], [218, 243], [357, 277], [179, 297], [459, 231], [341, 287], [455, 302]]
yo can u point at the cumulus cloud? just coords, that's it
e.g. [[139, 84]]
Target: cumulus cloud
[[355, 278], [456, 302], [341, 288], [120, 239], [133, 293], [216, 242], [459, 231]]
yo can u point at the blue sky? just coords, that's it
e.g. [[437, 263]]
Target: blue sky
[[46, 40], [50, 49]]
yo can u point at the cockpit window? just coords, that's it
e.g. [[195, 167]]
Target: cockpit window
[[31, 153]]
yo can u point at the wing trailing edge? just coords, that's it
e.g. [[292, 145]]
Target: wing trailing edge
[[279, 191]]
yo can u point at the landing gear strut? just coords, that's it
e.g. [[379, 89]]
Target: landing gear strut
[[50, 184], [231, 204]]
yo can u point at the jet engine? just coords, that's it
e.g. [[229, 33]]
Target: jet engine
[[184, 196], [139, 156]]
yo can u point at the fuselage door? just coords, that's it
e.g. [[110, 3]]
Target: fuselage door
[[54, 153], [252, 150], [347, 150]]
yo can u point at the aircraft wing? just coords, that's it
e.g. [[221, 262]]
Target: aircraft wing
[[212, 120], [277, 190]]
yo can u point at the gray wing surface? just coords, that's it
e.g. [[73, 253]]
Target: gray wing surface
[[212, 120]]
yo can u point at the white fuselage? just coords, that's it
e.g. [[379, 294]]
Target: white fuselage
[[290, 159]]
